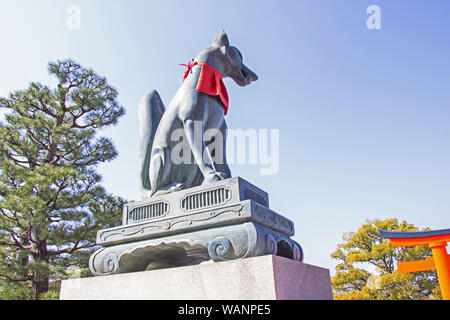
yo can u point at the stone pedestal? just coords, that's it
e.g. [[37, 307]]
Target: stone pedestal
[[166, 246], [257, 278]]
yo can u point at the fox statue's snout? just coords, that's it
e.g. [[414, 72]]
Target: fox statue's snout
[[239, 72], [248, 74]]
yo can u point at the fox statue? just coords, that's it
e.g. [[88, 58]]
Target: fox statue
[[200, 104]]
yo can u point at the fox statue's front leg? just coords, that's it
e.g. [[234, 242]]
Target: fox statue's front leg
[[203, 112], [195, 138], [217, 146]]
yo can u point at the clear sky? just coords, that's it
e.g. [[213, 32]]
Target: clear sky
[[363, 115]]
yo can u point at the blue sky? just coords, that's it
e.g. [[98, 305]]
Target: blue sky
[[363, 115]]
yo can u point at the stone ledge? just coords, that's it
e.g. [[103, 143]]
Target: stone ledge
[[247, 210], [259, 278]]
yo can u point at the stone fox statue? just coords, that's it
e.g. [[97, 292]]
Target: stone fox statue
[[199, 105]]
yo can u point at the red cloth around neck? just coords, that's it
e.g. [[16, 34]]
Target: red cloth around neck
[[210, 82]]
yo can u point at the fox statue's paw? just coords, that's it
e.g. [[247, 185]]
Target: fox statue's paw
[[176, 187], [215, 176]]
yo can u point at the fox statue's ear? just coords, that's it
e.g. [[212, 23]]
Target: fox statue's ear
[[222, 39]]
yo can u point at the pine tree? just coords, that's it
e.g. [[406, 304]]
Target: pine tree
[[51, 202], [355, 280]]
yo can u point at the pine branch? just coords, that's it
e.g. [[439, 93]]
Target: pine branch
[[4, 276], [75, 247]]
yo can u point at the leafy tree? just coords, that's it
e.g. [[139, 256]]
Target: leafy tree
[[51, 202], [366, 247]]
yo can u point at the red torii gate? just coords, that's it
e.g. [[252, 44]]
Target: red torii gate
[[440, 261]]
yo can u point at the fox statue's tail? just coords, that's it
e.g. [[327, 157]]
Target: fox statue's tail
[[151, 109]]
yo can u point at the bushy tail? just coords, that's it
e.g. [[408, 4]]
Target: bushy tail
[[151, 109]]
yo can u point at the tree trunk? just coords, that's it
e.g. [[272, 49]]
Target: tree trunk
[[40, 254], [40, 287]]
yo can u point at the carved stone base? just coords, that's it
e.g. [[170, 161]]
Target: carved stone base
[[222, 221], [243, 240]]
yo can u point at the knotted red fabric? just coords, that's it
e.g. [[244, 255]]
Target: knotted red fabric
[[189, 66], [209, 82]]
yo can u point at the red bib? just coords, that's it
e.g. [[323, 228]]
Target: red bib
[[210, 82]]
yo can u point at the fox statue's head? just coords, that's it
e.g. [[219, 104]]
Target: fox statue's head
[[228, 60]]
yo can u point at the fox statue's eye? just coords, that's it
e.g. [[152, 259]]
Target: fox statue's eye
[[240, 54], [236, 53]]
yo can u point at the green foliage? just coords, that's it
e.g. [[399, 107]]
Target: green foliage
[[366, 247], [51, 202], [15, 291], [49, 295]]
